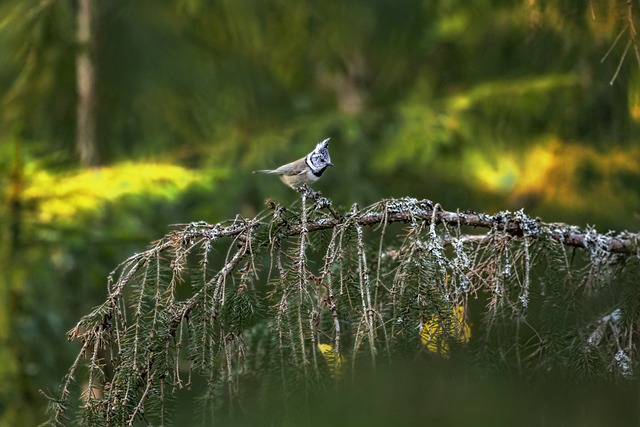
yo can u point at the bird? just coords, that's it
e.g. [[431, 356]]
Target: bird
[[306, 170]]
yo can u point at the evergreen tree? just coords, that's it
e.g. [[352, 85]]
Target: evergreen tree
[[300, 297]]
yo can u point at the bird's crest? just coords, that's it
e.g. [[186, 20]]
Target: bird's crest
[[319, 159]]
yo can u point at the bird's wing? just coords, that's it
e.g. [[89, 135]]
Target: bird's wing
[[298, 167]]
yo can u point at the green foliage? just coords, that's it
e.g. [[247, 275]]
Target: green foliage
[[62, 234], [481, 97]]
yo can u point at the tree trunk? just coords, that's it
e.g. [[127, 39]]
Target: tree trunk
[[86, 145]]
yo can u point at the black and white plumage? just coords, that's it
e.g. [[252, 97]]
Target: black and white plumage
[[306, 170]]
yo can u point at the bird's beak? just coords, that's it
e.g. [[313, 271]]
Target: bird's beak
[[330, 164]]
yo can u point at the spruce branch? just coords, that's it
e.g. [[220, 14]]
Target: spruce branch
[[516, 224], [371, 293]]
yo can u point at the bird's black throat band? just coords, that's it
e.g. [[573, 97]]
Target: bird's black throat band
[[319, 173]]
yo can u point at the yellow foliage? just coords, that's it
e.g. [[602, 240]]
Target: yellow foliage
[[436, 332], [334, 362], [498, 174], [62, 197], [552, 171], [634, 97]]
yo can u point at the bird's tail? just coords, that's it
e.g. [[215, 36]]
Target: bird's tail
[[263, 171]]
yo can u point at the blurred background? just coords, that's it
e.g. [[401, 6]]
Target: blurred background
[[120, 118]]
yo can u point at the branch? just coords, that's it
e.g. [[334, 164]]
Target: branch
[[516, 224], [408, 289]]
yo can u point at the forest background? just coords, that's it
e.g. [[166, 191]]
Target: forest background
[[120, 118]]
